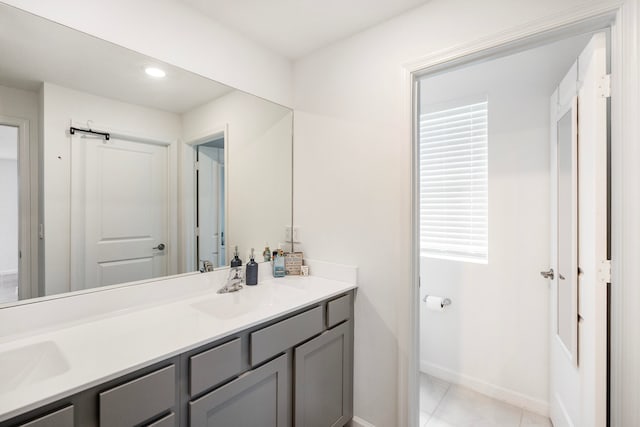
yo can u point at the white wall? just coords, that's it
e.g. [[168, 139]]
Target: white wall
[[60, 107], [494, 337], [172, 32], [259, 150], [352, 171]]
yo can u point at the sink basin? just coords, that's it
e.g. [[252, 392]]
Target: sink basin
[[226, 308], [30, 364], [246, 300]]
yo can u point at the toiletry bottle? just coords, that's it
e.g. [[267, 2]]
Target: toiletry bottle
[[252, 271], [278, 265], [236, 261], [267, 253]]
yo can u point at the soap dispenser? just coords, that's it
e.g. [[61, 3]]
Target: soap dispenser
[[252, 271], [236, 261]]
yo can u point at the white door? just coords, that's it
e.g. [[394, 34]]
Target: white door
[[578, 338], [119, 212]]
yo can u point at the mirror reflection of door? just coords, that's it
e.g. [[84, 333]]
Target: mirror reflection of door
[[9, 214], [210, 210], [119, 220]]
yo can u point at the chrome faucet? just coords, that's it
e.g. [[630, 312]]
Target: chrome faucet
[[234, 281], [206, 266]]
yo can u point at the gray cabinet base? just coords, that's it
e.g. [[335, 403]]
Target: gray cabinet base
[[259, 398], [323, 379]]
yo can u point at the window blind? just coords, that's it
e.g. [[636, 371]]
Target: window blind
[[453, 182]]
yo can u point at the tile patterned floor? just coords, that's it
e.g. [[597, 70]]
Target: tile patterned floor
[[447, 405]]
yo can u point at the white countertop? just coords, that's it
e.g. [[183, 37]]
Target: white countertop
[[97, 350]]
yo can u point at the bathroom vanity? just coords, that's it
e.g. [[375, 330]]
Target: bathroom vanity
[[144, 179], [277, 354]]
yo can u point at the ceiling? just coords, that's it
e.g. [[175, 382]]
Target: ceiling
[[36, 50], [295, 28]]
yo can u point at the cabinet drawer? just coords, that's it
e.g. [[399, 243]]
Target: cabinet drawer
[[138, 400], [275, 339], [168, 421], [61, 418], [338, 310], [213, 366]]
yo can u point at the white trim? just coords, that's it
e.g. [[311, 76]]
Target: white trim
[[623, 16], [26, 289], [530, 403], [581, 18], [625, 205]]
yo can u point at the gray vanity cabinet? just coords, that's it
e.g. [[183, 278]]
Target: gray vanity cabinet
[[323, 379], [258, 398], [141, 399], [293, 370]]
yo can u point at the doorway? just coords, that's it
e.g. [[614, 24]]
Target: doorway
[[486, 316], [205, 183], [210, 203]]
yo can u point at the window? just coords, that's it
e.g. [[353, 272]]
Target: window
[[453, 182]]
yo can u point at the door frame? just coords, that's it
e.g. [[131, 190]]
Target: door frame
[[26, 289], [189, 196], [622, 18]]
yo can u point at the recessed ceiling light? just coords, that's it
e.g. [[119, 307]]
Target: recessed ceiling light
[[155, 72]]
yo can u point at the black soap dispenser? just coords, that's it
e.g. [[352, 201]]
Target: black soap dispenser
[[252, 271], [236, 261]]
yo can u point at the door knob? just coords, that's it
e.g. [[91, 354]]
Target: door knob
[[160, 247], [547, 274]]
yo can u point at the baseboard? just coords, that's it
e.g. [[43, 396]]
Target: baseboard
[[497, 392], [359, 422]]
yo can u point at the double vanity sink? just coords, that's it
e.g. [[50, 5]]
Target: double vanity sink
[[280, 354]]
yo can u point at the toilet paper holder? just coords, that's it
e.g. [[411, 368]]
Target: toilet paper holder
[[445, 301]]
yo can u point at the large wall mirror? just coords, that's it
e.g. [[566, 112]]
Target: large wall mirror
[[118, 168]]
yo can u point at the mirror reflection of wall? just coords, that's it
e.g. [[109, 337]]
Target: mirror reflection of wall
[[136, 205]]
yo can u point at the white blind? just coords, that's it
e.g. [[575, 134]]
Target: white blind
[[453, 182]]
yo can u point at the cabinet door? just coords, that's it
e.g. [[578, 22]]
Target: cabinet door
[[258, 398], [324, 379]]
